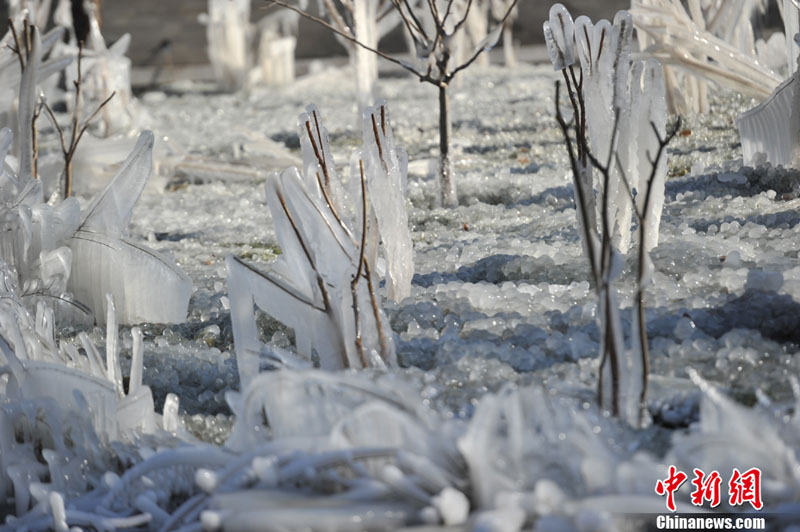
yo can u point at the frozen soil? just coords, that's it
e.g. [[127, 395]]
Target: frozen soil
[[501, 291]]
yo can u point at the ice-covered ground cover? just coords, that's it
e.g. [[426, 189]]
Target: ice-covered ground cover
[[501, 297], [501, 277]]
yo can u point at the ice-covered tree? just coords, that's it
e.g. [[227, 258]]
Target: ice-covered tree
[[433, 27], [619, 121]]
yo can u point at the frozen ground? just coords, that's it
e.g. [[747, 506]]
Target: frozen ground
[[501, 291]]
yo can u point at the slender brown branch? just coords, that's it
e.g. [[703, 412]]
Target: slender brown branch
[[18, 49], [361, 264], [57, 127], [588, 232], [92, 116], [478, 52]]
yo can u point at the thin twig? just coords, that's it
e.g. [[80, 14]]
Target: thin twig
[[348, 37], [361, 263], [478, 52], [18, 49]]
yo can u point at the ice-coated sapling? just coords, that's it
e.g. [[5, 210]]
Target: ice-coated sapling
[[146, 285], [433, 28], [309, 287], [632, 102], [608, 96]]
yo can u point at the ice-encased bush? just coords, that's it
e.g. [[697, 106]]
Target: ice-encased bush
[[62, 413], [53, 249], [146, 285], [622, 99], [325, 285], [317, 286], [619, 116]]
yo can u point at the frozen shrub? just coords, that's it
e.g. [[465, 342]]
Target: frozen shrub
[[611, 96], [324, 285]]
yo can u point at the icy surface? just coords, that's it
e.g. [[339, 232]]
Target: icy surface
[[501, 302]]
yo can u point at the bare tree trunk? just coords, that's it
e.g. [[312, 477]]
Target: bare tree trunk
[[447, 184], [509, 55]]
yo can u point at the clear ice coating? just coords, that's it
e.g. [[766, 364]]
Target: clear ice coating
[[146, 285], [713, 42], [325, 281], [71, 405], [769, 132], [386, 169], [625, 114], [559, 37], [318, 286]]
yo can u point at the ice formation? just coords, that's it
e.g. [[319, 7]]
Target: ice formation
[[386, 168], [71, 407], [622, 100], [108, 71], [227, 31], [146, 285], [628, 101], [325, 281], [769, 131], [276, 46], [714, 42]]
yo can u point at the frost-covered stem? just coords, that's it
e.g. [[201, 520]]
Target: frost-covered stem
[[447, 185]]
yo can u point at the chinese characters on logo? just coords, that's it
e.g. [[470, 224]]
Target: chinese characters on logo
[[742, 487]]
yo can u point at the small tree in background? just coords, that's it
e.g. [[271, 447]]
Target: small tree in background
[[432, 27]]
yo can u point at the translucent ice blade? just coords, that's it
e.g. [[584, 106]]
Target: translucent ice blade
[[558, 35], [653, 126], [146, 286], [294, 252], [386, 186], [110, 211], [622, 32], [332, 249], [770, 128]]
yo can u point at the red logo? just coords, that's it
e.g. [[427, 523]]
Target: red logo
[[742, 487]]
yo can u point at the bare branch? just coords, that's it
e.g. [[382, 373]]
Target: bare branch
[[350, 38], [57, 127], [18, 49], [479, 50], [93, 115]]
